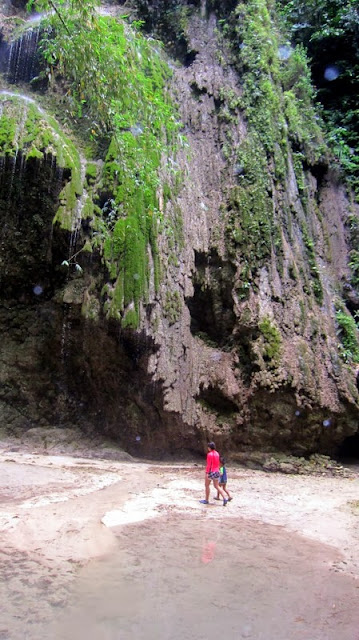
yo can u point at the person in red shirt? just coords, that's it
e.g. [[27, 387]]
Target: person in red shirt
[[212, 473]]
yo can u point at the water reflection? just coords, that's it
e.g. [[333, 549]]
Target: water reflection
[[176, 578]]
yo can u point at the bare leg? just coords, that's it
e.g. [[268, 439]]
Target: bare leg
[[207, 483], [224, 487], [219, 489], [217, 496]]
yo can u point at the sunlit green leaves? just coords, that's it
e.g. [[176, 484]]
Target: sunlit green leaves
[[116, 82]]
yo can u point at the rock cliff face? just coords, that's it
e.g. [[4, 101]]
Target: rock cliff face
[[239, 340]]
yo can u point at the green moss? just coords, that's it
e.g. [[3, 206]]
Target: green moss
[[8, 126], [304, 363], [130, 319], [272, 341], [65, 212], [88, 208], [167, 193], [354, 266], [172, 307], [348, 333], [303, 315], [250, 226], [206, 339], [314, 271], [87, 248], [118, 81], [34, 153], [255, 31], [352, 223], [37, 135], [293, 272], [91, 173], [91, 308], [298, 159], [305, 128], [281, 121]]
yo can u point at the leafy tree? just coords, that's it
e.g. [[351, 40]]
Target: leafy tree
[[330, 31], [116, 82]]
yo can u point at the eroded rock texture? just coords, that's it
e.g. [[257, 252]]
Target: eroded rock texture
[[252, 363]]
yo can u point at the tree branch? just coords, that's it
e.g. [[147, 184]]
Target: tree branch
[[59, 15]]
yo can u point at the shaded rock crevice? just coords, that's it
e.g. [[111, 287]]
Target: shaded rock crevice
[[211, 307]]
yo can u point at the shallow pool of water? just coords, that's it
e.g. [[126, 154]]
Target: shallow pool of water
[[176, 579], [179, 578]]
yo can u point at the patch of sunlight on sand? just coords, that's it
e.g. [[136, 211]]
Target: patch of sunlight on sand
[[144, 506]]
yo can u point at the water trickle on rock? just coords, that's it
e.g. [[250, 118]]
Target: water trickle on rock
[[22, 56], [77, 217]]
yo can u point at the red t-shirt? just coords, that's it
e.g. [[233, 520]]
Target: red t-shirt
[[212, 461]]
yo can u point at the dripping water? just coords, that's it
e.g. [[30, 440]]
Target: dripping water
[[66, 330], [36, 18], [21, 96], [22, 57], [77, 218], [203, 8], [18, 158]]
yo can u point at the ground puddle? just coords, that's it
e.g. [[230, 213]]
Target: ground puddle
[[178, 578]]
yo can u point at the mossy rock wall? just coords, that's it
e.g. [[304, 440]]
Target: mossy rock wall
[[188, 289]]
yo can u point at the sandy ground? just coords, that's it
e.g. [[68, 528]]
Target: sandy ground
[[120, 550]]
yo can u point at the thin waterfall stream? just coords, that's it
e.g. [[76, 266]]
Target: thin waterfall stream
[[22, 62]]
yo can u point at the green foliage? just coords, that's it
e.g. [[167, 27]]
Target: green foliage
[[298, 160], [305, 129], [117, 84], [7, 133], [250, 221], [329, 30], [277, 97], [354, 266], [117, 75], [130, 319], [91, 173], [250, 211], [346, 155], [168, 19], [255, 33], [348, 333], [25, 128], [85, 10], [314, 271], [352, 223]]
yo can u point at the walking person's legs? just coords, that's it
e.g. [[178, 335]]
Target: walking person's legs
[[207, 482], [224, 487], [220, 491], [217, 496]]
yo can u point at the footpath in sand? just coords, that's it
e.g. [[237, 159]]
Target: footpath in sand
[[100, 549]]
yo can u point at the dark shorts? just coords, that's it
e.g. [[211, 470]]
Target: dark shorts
[[213, 475]]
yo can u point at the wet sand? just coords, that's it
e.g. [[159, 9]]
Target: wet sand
[[182, 578], [281, 561]]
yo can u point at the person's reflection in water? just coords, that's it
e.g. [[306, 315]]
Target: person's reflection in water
[[208, 551]]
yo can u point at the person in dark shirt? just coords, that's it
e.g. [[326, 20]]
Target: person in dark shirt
[[223, 479]]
